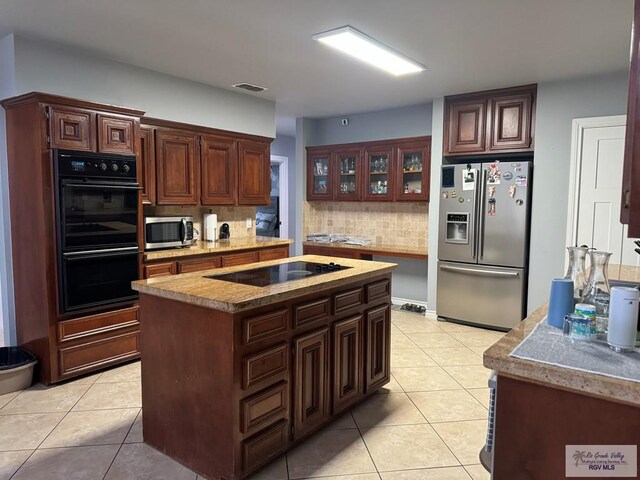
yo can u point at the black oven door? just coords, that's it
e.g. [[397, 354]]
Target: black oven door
[[97, 215], [94, 279]]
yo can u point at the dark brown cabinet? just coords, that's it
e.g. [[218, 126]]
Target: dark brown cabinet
[[218, 157], [630, 202], [72, 128], [147, 166], [310, 366], [347, 363], [117, 134], [176, 167], [378, 341], [381, 171], [254, 173], [495, 121], [160, 269]]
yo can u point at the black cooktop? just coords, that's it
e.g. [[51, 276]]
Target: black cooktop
[[285, 272]]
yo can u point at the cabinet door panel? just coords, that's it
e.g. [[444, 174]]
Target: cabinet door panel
[[147, 166], [310, 382], [378, 341], [319, 175], [254, 173], [465, 127], [511, 122], [348, 177], [219, 158], [347, 363], [72, 128], [159, 269], [413, 167], [117, 134], [378, 174], [176, 168]]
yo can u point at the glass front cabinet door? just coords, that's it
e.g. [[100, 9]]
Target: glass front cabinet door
[[319, 176], [378, 184], [347, 168], [412, 173]]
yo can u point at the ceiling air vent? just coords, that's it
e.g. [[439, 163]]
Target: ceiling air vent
[[250, 87]]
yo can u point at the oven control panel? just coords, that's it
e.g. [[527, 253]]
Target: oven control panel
[[91, 165]]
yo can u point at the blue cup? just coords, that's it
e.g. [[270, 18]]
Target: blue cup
[[560, 301]]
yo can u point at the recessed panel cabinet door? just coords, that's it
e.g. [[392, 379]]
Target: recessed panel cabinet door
[[254, 173], [347, 362], [219, 158], [311, 406], [176, 168], [378, 342], [72, 128], [147, 166], [510, 122], [465, 127], [117, 134]]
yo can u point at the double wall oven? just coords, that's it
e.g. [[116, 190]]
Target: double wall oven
[[97, 229]]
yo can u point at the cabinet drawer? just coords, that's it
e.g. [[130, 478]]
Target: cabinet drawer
[[103, 322], [159, 269], [265, 326], [116, 134], [311, 312], [262, 447], [378, 290], [264, 408], [186, 266], [265, 365], [89, 356], [273, 253], [239, 259], [345, 301]]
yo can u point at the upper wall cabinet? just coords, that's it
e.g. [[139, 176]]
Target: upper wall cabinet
[[496, 121], [189, 165], [116, 134], [382, 171], [176, 167], [72, 128]]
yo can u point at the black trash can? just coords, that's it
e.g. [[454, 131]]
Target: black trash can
[[16, 369]]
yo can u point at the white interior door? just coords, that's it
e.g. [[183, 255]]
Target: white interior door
[[597, 164]]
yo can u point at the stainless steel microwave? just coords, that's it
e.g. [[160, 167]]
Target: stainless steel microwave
[[168, 232]]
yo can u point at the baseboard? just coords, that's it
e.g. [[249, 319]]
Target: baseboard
[[402, 301]]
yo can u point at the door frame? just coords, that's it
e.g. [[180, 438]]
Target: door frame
[[579, 125], [283, 187]]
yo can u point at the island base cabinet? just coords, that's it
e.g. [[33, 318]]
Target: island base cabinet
[[535, 423], [377, 352], [310, 377], [347, 363]]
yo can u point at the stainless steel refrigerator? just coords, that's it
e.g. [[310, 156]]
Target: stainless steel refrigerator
[[483, 246]]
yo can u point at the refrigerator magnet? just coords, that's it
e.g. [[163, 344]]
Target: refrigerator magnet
[[445, 195], [493, 177], [512, 191], [492, 207], [491, 190], [507, 176], [453, 194], [521, 181], [469, 179]]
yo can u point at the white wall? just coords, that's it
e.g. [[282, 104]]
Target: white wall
[[437, 135], [53, 69], [558, 104]]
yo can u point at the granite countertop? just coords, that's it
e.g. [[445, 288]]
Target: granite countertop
[[376, 249], [222, 246], [233, 297], [497, 358]]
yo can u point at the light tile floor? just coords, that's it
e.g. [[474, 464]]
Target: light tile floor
[[429, 422]]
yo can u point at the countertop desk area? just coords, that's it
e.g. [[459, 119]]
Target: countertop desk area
[[542, 408], [234, 374]]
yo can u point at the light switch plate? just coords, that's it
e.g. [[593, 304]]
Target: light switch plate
[[249, 222]]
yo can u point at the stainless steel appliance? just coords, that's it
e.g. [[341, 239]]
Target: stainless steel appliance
[[483, 245], [168, 232], [97, 234]]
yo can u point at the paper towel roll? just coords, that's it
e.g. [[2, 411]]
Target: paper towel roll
[[210, 227]]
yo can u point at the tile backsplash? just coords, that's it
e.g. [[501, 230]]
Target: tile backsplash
[[394, 224], [234, 216]]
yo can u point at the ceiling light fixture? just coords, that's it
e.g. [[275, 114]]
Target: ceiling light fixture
[[355, 43]]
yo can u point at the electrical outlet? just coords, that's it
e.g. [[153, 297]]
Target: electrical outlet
[[249, 222]]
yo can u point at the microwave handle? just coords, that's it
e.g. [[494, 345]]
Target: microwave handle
[[184, 231]]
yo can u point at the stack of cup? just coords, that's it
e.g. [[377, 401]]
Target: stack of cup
[[560, 301]]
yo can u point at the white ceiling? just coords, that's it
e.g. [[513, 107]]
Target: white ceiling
[[467, 45]]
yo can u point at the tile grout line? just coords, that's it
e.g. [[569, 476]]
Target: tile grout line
[[364, 442]]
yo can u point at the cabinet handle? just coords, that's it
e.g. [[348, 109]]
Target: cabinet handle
[[626, 199]]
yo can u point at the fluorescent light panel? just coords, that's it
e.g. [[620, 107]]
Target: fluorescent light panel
[[355, 43]]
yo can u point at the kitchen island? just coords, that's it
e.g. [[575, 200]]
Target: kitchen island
[[234, 374], [542, 408]]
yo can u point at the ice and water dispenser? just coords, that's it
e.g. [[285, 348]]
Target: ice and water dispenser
[[457, 228]]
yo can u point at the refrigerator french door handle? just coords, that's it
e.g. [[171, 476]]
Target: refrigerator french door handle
[[488, 273], [476, 215], [482, 215]]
